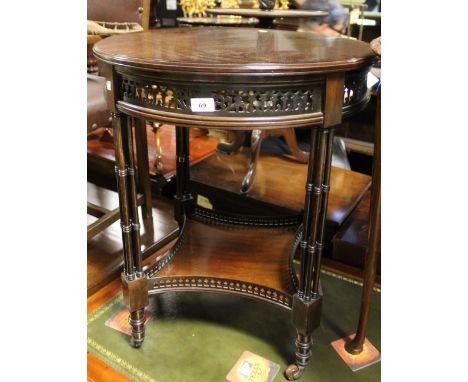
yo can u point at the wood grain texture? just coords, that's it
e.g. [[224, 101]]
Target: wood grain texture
[[254, 255], [201, 147], [350, 242], [233, 50], [280, 181]]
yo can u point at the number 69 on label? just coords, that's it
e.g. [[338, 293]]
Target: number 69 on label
[[202, 104]]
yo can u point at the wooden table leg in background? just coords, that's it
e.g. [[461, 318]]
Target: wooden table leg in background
[[356, 345]]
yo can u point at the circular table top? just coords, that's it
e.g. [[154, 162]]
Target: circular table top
[[222, 21], [233, 50], [247, 12]]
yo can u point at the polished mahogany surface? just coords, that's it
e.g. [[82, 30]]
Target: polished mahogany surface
[[102, 151], [235, 253], [280, 181], [234, 50]]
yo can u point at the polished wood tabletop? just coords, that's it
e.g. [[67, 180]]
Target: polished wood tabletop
[[234, 51]]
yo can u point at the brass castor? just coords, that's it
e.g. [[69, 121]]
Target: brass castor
[[294, 372], [136, 343]]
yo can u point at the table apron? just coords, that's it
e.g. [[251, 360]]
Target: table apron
[[228, 123]]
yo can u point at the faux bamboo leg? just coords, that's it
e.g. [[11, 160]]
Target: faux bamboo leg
[[323, 214], [183, 196], [136, 240], [307, 306], [133, 285], [305, 255], [255, 146], [121, 169], [143, 168], [356, 345], [316, 209]]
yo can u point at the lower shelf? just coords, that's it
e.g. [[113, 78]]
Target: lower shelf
[[255, 262]]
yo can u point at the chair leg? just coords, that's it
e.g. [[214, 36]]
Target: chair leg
[[291, 140], [233, 146], [157, 145], [255, 146]]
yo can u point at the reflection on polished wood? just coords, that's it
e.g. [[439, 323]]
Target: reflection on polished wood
[[234, 50], [280, 181], [201, 146], [237, 254]]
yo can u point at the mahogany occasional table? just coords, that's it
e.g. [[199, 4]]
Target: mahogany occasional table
[[234, 79]]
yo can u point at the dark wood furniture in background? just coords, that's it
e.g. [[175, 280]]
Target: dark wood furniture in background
[[131, 11], [218, 21], [356, 345], [98, 113], [266, 17], [257, 79]]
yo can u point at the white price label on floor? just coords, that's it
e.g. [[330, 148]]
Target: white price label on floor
[[202, 104]]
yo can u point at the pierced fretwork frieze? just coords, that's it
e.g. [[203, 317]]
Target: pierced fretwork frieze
[[211, 216], [273, 101], [197, 282], [355, 88], [227, 100]]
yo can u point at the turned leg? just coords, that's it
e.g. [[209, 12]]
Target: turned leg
[[356, 345], [255, 145], [134, 283], [307, 302], [157, 146], [303, 353]]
